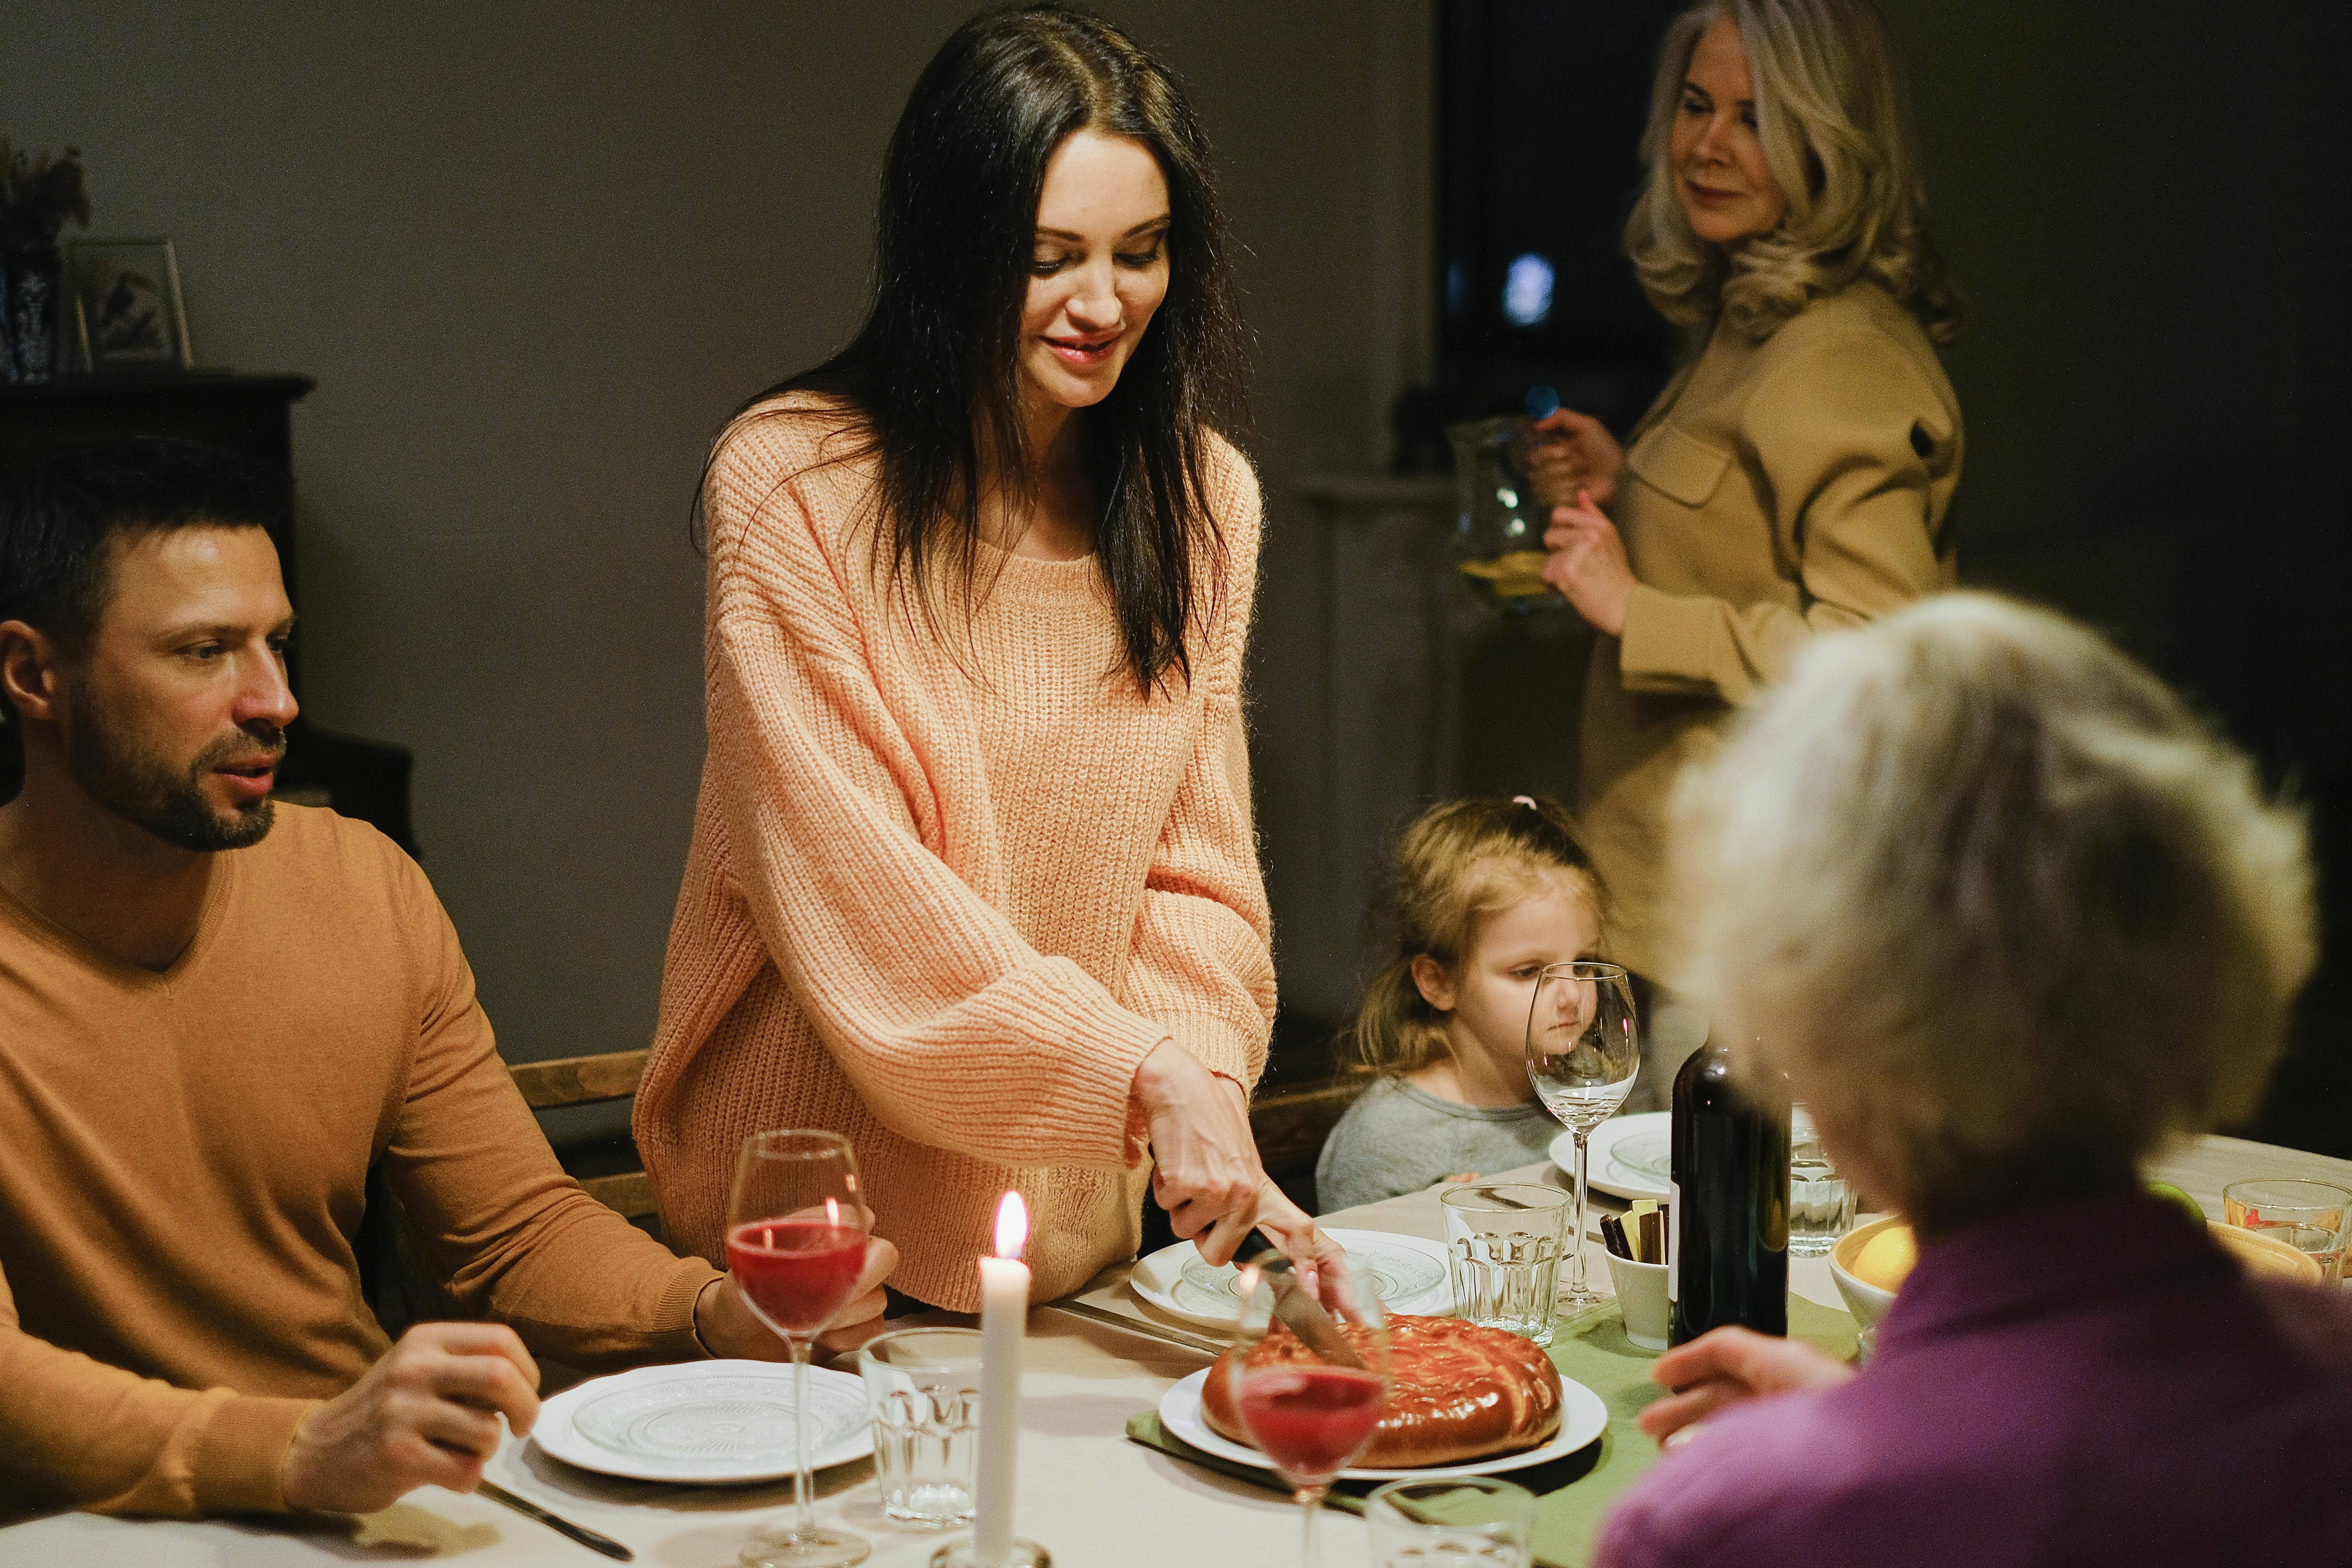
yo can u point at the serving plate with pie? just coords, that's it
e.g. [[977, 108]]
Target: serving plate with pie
[[1477, 1401], [1410, 1274]]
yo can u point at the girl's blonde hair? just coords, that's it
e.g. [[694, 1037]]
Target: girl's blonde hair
[[1830, 116], [1458, 862]]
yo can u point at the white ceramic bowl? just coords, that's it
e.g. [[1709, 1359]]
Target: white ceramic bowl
[[1867, 1303]]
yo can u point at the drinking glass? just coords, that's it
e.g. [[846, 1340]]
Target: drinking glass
[[922, 1389], [1820, 1201], [1312, 1377], [1503, 1243], [2310, 1217], [1467, 1521], [1583, 1049], [796, 1243]]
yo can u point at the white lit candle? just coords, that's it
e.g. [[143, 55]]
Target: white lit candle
[[1003, 1319]]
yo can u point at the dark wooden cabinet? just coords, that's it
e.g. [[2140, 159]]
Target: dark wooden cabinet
[[247, 413]]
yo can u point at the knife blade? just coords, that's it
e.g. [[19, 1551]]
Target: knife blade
[[1297, 1306], [556, 1522]]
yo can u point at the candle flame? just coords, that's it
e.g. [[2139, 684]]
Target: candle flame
[[832, 1211], [1011, 1226]]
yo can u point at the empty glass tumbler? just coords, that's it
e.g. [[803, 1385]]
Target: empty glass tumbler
[[922, 1388], [1468, 1521], [1503, 1246], [1820, 1201]]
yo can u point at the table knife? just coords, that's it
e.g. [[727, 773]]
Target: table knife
[[1140, 1327], [556, 1522], [1297, 1306]]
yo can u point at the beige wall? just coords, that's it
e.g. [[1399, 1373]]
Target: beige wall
[[533, 256]]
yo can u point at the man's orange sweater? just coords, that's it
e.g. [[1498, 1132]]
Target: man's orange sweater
[[182, 1165], [949, 888]]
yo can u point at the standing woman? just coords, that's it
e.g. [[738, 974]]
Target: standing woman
[[972, 879], [1794, 478]]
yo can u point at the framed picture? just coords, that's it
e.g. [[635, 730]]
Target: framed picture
[[127, 310]]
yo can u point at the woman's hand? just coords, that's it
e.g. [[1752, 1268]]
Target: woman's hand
[[1568, 452], [1205, 1171], [1724, 1366], [1588, 564], [729, 1330], [1305, 1243]]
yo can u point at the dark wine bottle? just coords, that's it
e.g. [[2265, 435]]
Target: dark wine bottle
[[1727, 1238]]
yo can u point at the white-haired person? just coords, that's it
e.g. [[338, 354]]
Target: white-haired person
[[1794, 477], [2007, 919]]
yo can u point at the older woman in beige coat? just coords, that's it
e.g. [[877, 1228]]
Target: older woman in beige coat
[[1793, 479]]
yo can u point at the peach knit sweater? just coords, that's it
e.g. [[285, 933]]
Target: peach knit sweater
[[947, 890]]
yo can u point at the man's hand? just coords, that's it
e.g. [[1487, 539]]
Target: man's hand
[[1724, 1366], [1205, 1172], [728, 1327], [426, 1414]]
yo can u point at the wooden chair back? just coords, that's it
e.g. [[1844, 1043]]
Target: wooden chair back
[[593, 1080], [1290, 1124]]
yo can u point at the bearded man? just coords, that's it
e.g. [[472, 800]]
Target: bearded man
[[217, 1013]]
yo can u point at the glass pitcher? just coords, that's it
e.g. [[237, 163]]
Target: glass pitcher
[[1498, 524]]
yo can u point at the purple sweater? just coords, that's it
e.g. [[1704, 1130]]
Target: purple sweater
[[2088, 1384]]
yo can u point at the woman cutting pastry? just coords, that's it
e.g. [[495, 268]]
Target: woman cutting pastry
[[1794, 477], [972, 879]]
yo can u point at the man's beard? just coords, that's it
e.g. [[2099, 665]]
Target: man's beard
[[143, 790]]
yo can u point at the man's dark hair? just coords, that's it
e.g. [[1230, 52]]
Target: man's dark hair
[[57, 517]]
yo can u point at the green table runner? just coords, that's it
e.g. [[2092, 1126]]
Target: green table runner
[[1575, 1491]]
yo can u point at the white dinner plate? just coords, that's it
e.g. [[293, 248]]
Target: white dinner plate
[[1181, 1283], [1629, 1155], [706, 1422], [1582, 1419]]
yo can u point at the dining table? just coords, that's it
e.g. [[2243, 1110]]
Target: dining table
[[1086, 1493]]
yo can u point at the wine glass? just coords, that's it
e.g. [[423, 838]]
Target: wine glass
[[796, 1243], [1583, 1049], [1312, 1380]]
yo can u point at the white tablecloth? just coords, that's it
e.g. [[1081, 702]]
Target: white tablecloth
[[1087, 1494]]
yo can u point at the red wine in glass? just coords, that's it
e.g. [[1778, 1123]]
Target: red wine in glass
[[1312, 1420], [797, 1272], [1311, 1402], [797, 1244]]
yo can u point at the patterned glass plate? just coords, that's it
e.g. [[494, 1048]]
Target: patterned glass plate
[[704, 1421], [1410, 1271]]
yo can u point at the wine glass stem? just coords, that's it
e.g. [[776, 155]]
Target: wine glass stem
[[804, 1483], [1576, 1235], [1309, 1498]]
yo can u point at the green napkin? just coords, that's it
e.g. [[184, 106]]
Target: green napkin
[[1575, 1492]]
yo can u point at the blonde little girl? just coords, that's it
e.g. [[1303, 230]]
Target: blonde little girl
[[1486, 893]]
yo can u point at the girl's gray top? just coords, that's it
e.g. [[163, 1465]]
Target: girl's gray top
[[1398, 1138]]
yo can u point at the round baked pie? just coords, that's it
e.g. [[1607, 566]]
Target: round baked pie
[[1457, 1392]]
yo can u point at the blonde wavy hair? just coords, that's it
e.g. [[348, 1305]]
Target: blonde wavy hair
[[1458, 862], [1831, 118], [2006, 915]]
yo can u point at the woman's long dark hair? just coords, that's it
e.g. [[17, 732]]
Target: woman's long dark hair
[[935, 372]]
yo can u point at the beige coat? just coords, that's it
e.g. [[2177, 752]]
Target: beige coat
[[1774, 491]]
